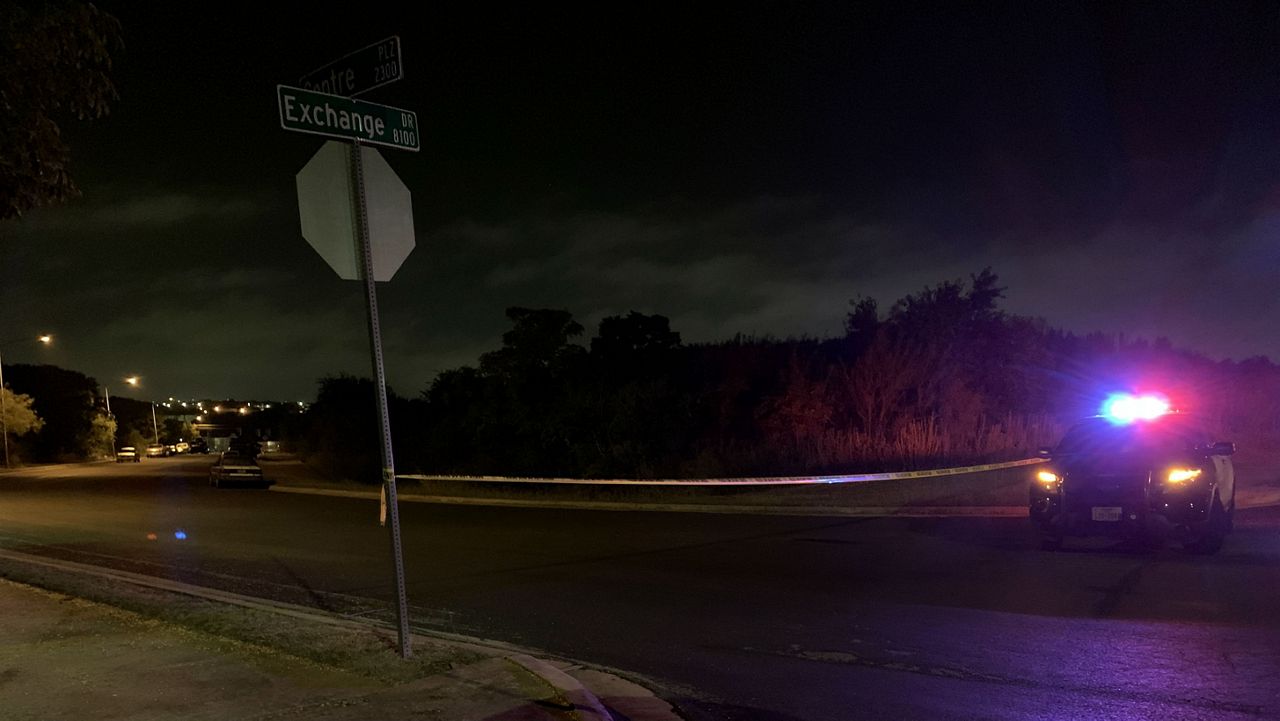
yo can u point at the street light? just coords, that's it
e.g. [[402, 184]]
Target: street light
[[45, 339], [134, 381]]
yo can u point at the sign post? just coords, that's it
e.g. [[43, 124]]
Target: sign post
[[392, 509], [322, 108]]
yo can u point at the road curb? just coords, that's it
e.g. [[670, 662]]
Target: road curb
[[840, 511], [586, 705]]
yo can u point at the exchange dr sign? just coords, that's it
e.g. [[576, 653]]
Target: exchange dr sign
[[322, 114]]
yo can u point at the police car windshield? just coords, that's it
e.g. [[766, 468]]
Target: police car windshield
[[1168, 434]]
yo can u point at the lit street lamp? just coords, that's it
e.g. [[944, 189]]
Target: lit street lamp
[[45, 339], [134, 381]]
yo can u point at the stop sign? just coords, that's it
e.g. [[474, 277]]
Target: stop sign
[[326, 209]]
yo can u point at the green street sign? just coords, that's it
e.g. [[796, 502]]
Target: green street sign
[[307, 111], [358, 72]]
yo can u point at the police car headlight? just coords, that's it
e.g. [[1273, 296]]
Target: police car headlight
[[1183, 475], [1047, 478]]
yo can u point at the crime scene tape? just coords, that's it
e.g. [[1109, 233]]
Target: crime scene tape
[[762, 481]]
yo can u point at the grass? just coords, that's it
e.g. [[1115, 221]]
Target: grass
[[998, 488], [365, 652]]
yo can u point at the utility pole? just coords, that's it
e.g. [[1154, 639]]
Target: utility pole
[[4, 419]]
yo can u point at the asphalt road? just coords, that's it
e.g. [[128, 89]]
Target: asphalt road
[[732, 617]]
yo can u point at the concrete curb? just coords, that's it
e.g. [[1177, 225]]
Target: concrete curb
[[585, 704], [843, 511], [1258, 497]]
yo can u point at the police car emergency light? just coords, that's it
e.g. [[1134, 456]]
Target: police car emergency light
[[1122, 408]]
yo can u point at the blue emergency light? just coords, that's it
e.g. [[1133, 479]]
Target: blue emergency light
[[1121, 408]]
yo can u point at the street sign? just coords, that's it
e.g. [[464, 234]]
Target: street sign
[[359, 71], [329, 224], [307, 111], [357, 214]]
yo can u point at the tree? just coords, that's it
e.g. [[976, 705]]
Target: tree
[[886, 381], [530, 377], [801, 412], [129, 436], [343, 425], [55, 62], [173, 430], [64, 399], [19, 419], [342, 428], [622, 339], [133, 422], [861, 323], [464, 430], [102, 435], [538, 342]]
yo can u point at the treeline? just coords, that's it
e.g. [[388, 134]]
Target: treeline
[[943, 376], [57, 415], [58, 418]]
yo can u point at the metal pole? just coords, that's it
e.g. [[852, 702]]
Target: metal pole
[[106, 393], [4, 421], [380, 385], [154, 428]]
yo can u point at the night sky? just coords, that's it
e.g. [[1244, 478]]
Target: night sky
[[740, 172]]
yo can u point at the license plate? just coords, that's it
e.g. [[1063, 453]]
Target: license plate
[[1107, 513]]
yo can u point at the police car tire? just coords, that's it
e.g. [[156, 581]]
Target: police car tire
[[1209, 540], [1149, 541]]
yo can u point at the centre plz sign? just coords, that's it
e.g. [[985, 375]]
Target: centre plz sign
[[308, 111], [358, 72]]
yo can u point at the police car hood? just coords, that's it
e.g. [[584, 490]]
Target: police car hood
[[1092, 464]]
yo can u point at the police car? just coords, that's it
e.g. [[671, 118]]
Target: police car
[[1140, 471]]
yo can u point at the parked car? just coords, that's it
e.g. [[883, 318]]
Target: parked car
[[1145, 477], [199, 445], [182, 446], [248, 447], [156, 450], [127, 454], [234, 468]]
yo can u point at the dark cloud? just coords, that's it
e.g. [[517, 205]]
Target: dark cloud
[[156, 210], [740, 173]]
